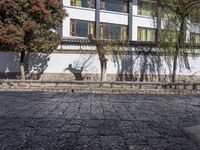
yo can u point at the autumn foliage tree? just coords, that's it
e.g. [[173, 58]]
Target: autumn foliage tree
[[29, 26]]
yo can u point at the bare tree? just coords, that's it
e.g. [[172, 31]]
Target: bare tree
[[105, 48], [174, 41]]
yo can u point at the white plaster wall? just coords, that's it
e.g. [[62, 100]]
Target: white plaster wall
[[66, 27], [113, 17], [81, 13], [66, 2], [9, 61], [58, 62]]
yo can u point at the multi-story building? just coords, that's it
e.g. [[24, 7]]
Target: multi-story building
[[130, 20], [110, 19]]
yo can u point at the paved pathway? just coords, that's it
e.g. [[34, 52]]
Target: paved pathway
[[63, 121]]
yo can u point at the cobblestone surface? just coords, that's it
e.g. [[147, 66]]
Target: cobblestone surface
[[68, 121]]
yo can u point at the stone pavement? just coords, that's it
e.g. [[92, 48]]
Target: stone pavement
[[71, 121]]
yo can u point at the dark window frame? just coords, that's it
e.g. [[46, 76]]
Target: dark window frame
[[102, 31], [91, 3], [153, 7], [139, 38], [192, 38], [125, 3], [73, 25]]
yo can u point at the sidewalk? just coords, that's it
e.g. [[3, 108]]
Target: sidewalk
[[86, 121]]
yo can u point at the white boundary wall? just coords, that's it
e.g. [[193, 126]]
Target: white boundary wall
[[9, 62], [57, 63]]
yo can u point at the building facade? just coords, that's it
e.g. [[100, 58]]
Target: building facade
[[110, 19], [129, 20], [132, 20]]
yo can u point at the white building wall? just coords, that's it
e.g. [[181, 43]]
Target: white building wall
[[113, 17]]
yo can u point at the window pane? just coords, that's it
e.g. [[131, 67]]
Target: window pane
[[194, 15], [81, 28], [115, 5], [102, 31], [169, 36], [146, 8], [113, 31], [195, 38], [143, 34], [167, 13], [91, 29], [72, 28], [123, 35], [83, 3], [78, 3], [146, 34]]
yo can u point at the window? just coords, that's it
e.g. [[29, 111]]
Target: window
[[146, 34], [113, 31], [167, 13], [195, 38], [115, 5], [147, 8], [81, 28], [194, 16], [83, 3], [169, 36]]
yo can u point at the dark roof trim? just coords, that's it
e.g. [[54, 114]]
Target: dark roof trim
[[78, 42], [86, 42]]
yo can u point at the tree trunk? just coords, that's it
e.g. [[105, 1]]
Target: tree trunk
[[180, 45], [22, 55], [174, 68], [103, 70], [24, 62]]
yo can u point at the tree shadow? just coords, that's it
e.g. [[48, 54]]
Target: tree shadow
[[77, 68], [142, 65], [148, 64], [76, 71], [9, 66], [38, 62]]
